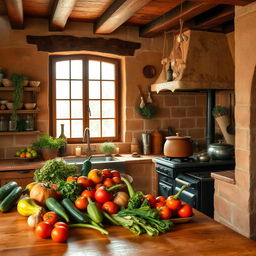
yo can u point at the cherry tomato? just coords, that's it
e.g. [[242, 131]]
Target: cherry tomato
[[95, 176], [160, 199], [159, 205], [106, 173], [50, 217], [102, 195], [185, 211], [85, 182], [110, 207], [88, 193], [165, 213], [108, 182], [117, 180], [173, 204], [151, 199], [81, 203], [43, 229], [116, 173], [70, 178], [61, 224], [54, 186], [59, 234]]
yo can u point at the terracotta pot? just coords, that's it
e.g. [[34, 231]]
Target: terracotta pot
[[48, 154], [178, 146]]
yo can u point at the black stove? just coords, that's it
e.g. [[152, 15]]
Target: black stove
[[174, 172]]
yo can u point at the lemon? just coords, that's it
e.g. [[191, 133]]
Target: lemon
[[28, 155]]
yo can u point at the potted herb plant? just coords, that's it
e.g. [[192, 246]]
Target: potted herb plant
[[108, 148], [221, 115], [48, 146]]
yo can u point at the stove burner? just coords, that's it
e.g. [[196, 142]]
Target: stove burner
[[179, 159]]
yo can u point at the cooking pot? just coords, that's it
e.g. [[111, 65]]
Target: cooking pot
[[178, 146], [221, 151]]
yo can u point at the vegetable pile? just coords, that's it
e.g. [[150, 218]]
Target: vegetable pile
[[59, 200]]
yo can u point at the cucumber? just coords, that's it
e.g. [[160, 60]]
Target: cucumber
[[76, 215], [11, 199], [7, 188], [53, 205], [87, 165]]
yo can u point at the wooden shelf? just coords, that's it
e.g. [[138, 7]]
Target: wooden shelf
[[19, 133], [21, 111], [26, 89]]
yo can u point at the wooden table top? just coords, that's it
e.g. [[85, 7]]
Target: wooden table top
[[200, 237]]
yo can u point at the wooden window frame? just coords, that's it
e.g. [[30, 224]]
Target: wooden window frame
[[52, 94]]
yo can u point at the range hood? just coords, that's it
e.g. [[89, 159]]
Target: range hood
[[207, 64]]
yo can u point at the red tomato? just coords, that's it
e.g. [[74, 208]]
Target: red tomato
[[108, 182], [88, 193], [61, 224], [160, 199], [106, 173], [81, 203], [59, 234], [102, 195], [70, 178], [165, 213], [50, 217], [151, 199], [116, 173], [54, 186], [117, 180], [185, 211], [95, 176], [43, 229], [159, 205], [173, 204], [110, 207], [85, 182]]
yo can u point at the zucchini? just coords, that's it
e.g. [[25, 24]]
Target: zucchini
[[11, 199], [53, 205], [7, 188], [87, 165], [94, 212], [76, 215]]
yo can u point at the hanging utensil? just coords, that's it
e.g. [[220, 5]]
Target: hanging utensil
[[231, 127]]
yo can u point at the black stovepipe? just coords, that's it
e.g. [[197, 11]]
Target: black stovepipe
[[210, 129]]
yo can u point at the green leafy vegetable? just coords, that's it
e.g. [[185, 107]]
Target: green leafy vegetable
[[54, 171], [148, 111], [136, 200], [49, 142], [70, 190]]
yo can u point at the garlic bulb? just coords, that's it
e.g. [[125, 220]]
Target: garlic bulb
[[149, 99], [34, 219], [142, 103]]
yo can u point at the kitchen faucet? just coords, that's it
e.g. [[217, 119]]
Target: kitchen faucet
[[86, 138]]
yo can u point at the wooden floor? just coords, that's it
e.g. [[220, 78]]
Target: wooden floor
[[200, 237]]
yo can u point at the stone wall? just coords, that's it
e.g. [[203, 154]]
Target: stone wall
[[235, 205]]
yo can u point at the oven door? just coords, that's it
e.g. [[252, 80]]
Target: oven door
[[190, 194], [165, 189]]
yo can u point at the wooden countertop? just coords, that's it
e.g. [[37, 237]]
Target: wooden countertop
[[21, 164], [200, 237]]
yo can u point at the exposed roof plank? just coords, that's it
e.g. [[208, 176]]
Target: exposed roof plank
[[118, 13], [229, 2], [61, 11], [171, 18], [15, 13], [223, 15]]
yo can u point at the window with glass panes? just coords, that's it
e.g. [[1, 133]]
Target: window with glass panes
[[85, 94]]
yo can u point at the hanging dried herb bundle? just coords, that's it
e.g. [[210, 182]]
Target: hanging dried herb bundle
[[17, 80]]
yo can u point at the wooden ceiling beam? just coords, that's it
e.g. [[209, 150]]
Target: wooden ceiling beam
[[229, 2], [223, 15], [171, 18], [117, 14], [61, 11], [15, 13]]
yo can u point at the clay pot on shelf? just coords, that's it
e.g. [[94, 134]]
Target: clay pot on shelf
[[178, 146], [49, 153]]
